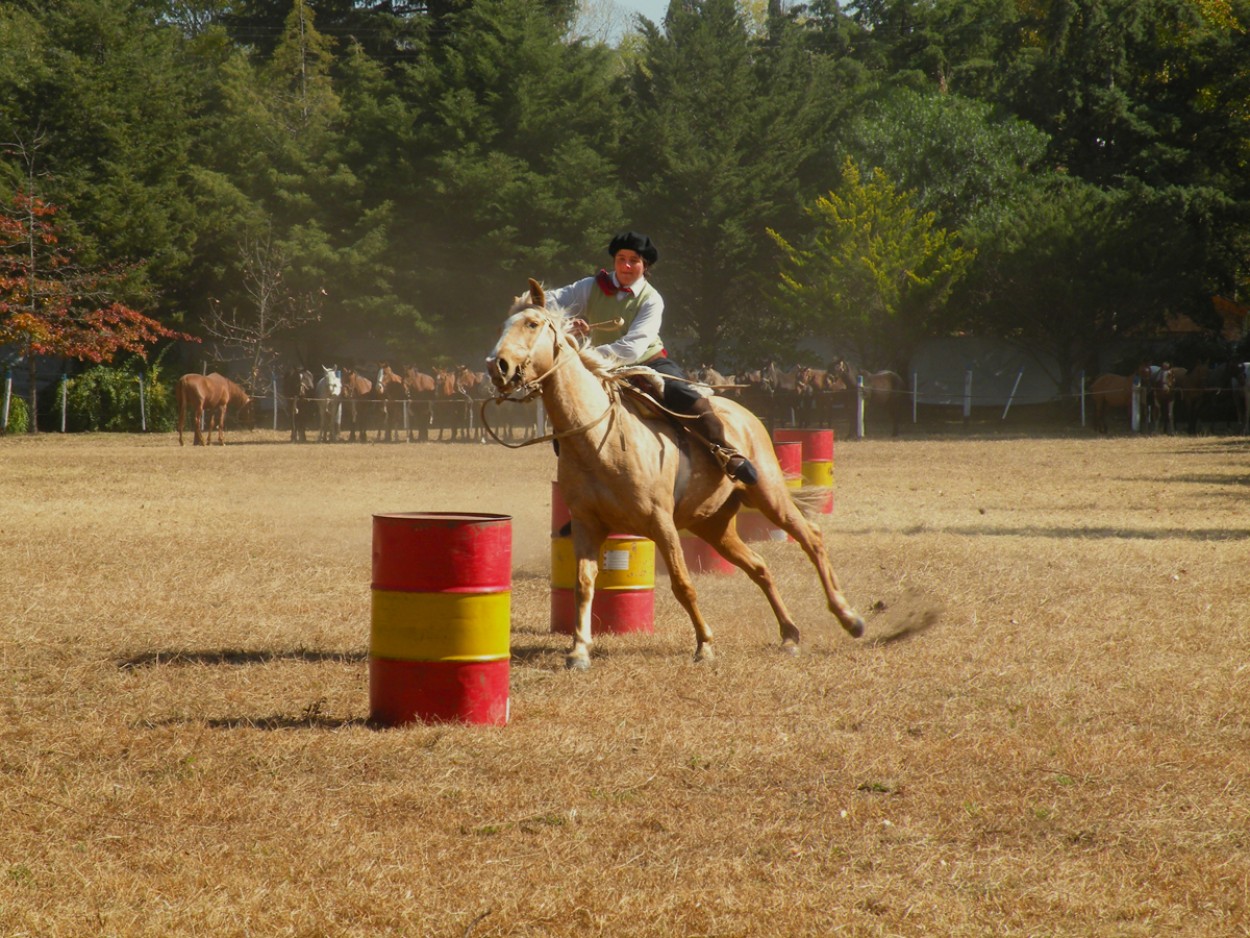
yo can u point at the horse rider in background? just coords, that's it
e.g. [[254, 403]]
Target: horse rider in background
[[626, 293]]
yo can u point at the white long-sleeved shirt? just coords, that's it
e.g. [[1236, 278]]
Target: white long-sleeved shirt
[[630, 347]]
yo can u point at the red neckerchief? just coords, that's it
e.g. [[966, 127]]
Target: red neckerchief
[[608, 285]]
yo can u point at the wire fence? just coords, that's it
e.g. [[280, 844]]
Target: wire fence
[[458, 417]]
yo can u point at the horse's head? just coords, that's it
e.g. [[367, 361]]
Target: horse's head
[[333, 381], [527, 346]]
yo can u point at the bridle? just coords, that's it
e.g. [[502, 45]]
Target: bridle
[[533, 388]]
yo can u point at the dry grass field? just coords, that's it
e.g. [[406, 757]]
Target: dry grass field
[[184, 747]]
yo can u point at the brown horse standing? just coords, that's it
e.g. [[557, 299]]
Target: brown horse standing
[[621, 469], [884, 389], [393, 393], [420, 387], [1112, 390], [213, 393], [357, 391]]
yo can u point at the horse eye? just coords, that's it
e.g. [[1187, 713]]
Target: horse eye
[[533, 325]]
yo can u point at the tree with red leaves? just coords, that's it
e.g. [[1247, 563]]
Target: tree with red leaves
[[51, 306]]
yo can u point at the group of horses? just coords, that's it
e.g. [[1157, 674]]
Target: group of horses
[[397, 405], [803, 396], [1214, 392]]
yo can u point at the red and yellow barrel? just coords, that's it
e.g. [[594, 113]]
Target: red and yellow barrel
[[624, 598], [817, 460], [752, 525], [439, 643], [700, 557]]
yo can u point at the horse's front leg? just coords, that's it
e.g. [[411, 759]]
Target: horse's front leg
[[668, 543], [587, 540]]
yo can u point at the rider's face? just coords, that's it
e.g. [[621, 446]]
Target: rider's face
[[629, 267]]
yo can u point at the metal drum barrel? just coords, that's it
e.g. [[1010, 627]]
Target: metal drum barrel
[[752, 525], [624, 598], [817, 460], [439, 643]]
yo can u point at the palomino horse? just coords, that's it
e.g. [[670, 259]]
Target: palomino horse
[[213, 393], [1108, 391], [622, 469], [329, 392], [885, 389]]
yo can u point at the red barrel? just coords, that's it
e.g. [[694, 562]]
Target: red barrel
[[439, 643], [624, 598], [817, 460], [700, 557], [752, 525]]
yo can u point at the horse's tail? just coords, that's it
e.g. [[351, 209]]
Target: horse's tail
[[810, 500], [182, 407]]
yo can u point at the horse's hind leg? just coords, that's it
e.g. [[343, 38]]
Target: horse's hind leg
[[788, 517], [720, 532]]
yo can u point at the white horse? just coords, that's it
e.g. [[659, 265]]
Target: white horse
[[329, 395]]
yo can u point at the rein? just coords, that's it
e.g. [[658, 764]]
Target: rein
[[533, 389]]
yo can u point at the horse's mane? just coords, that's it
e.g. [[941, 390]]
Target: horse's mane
[[596, 363]]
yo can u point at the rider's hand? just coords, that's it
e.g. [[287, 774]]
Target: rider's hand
[[579, 327]]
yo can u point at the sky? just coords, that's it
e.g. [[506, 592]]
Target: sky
[[652, 9]]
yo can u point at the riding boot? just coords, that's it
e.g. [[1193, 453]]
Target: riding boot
[[709, 426]]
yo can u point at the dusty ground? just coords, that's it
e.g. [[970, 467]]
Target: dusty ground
[[1043, 733]]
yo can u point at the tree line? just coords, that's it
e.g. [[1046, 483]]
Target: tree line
[[254, 173]]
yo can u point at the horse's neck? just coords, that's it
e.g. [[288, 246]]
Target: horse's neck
[[573, 397]]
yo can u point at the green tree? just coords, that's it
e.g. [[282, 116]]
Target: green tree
[[102, 86], [872, 270], [281, 169], [959, 156], [726, 128], [519, 163], [1075, 270]]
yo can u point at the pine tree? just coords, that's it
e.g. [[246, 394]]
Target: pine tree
[[873, 271]]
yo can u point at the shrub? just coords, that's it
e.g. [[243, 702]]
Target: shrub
[[19, 416], [106, 397]]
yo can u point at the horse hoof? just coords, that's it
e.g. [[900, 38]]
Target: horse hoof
[[577, 663], [703, 654], [856, 627], [790, 649]]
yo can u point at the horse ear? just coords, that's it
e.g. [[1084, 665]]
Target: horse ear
[[537, 296]]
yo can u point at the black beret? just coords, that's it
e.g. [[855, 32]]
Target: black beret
[[640, 244]]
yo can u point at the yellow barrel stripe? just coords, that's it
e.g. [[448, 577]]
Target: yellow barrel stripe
[[440, 626], [818, 473], [624, 564]]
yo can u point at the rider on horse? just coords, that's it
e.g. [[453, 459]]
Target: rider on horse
[[626, 296]]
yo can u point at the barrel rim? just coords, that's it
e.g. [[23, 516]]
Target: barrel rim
[[443, 515]]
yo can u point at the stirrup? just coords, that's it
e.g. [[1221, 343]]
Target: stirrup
[[735, 465]]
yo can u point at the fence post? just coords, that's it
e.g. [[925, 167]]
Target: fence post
[[1135, 405], [143, 407], [1081, 376], [8, 397], [859, 407], [64, 399], [915, 395], [967, 396], [1015, 387], [273, 377]]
